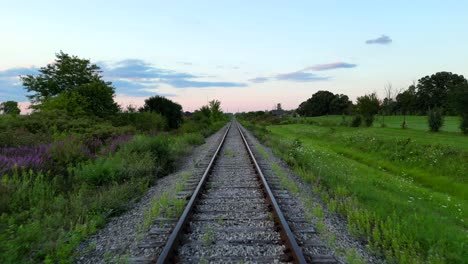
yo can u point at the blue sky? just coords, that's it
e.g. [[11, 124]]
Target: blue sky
[[248, 54]]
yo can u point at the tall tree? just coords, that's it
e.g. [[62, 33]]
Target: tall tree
[[340, 105], [65, 74], [317, 105], [368, 106], [170, 110], [71, 77], [215, 109], [10, 108], [433, 91], [459, 100]]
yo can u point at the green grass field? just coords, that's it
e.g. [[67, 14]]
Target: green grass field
[[404, 191], [451, 123]]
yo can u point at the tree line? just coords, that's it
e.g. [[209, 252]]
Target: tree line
[[442, 93], [75, 87]]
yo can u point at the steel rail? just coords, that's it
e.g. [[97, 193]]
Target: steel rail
[[174, 239], [284, 229]]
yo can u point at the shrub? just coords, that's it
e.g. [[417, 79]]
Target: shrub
[[404, 125], [435, 119], [356, 122], [369, 120], [100, 171], [158, 146], [144, 122], [464, 124]]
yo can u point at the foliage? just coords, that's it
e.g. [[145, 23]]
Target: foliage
[[459, 99], [44, 215], [357, 121], [215, 110], [10, 108], [170, 110], [99, 98], [70, 103], [323, 103], [433, 91], [368, 106], [65, 74], [405, 198], [435, 119], [143, 122]]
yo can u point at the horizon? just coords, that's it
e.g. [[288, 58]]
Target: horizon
[[250, 56]]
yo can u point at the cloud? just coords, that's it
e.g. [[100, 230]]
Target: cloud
[[305, 75], [185, 63], [184, 83], [136, 77], [330, 66], [300, 76], [10, 83], [15, 72], [383, 40], [259, 79]]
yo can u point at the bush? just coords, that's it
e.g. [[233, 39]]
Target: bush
[[369, 120], [143, 122], [356, 122], [100, 171], [435, 119], [464, 124]]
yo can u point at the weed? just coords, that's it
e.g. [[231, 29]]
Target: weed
[[208, 236]]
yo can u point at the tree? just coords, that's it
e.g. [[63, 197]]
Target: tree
[[170, 110], [10, 108], [99, 97], [340, 105], [215, 110], [435, 119], [65, 74], [317, 105], [368, 106], [433, 91], [459, 100]]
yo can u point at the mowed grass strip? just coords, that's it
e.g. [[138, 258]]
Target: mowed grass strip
[[451, 123], [390, 200]]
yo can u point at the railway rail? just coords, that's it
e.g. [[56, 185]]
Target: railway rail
[[232, 215]]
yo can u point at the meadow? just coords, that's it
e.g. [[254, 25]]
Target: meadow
[[403, 191], [451, 123], [63, 178]]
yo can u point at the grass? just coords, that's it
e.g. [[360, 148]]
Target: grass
[[402, 191], [165, 204], [44, 216], [451, 123]]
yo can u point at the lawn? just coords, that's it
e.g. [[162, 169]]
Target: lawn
[[404, 191], [451, 123]]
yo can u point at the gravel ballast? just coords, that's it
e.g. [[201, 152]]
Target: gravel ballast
[[117, 240]]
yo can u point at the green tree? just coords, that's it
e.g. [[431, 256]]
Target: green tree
[[68, 102], [10, 108], [170, 110], [317, 105], [340, 105], [433, 91], [435, 119], [65, 74], [99, 97], [459, 100], [368, 106], [215, 110]]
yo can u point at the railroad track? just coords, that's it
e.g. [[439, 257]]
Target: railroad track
[[232, 215]]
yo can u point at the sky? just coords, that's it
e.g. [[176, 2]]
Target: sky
[[250, 55]]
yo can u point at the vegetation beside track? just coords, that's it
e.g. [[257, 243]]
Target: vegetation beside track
[[79, 159], [402, 191]]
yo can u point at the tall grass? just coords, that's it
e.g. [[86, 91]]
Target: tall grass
[[386, 206], [44, 213]]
